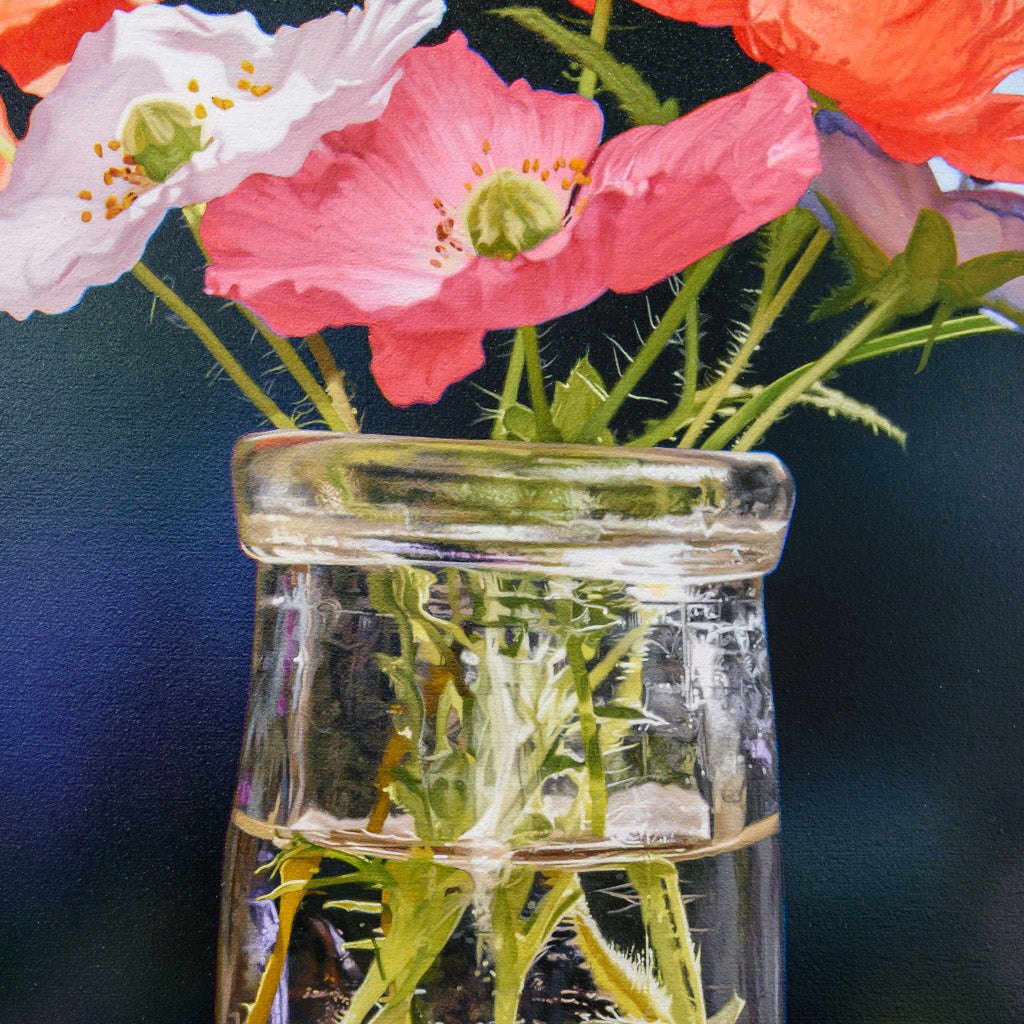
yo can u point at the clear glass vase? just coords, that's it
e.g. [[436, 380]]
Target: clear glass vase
[[510, 752]]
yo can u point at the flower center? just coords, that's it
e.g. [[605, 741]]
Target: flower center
[[162, 136], [510, 213]]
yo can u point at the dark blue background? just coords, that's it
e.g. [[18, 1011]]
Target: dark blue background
[[894, 619]]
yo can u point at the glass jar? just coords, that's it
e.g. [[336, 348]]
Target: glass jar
[[510, 751]]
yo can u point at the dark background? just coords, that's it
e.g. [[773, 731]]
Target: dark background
[[126, 621]]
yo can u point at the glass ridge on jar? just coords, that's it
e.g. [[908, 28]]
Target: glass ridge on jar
[[510, 752]]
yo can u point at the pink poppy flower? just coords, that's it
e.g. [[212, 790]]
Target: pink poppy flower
[[8, 144], [472, 205], [884, 196]]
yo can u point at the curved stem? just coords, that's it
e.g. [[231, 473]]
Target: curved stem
[[181, 309], [878, 316], [535, 378], [696, 280], [762, 323], [599, 33]]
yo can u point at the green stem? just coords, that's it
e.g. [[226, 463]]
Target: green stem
[[763, 320], [599, 33], [597, 790], [665, 428], [334, 381], [510, 390], [232, 367], [696, 280], [668, 931], [285, 351], [535, 378], [873, 322]]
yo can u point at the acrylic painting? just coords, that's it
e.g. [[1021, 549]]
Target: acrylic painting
[[511, 511]]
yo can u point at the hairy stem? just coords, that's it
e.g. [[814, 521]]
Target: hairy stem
[[334, 381], [763, 320], [231, 366], [874, 321], [535, 379], [696, 280], [510, 390]]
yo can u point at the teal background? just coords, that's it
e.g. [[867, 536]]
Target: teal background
[[126, 618]]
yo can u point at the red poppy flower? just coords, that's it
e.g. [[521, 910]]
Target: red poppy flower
[[38, 37], [919, 75]]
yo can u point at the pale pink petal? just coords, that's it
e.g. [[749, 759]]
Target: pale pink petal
[[663, 197], [417, 366], [884, 196]]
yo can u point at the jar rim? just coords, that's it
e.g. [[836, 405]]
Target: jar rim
[[322, 497]]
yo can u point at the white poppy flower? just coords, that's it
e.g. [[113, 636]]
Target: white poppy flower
[[167, 106]]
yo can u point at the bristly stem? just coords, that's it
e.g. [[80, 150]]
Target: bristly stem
[[599, 33], [292, 362], [696, 279], [880, 315], [334, 381], [181, 309], [510, 390], [763, 320], [527, 336]]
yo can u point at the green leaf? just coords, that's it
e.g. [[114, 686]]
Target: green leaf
[[929, 258], [975, 278], [866, 258], [942, 314], [520, 423], [576, 399], [634, 95]]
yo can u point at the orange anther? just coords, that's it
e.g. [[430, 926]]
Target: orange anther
[[112, 212], [193, 85], [111, 201], [580, 179], [244, 84], [247, 66], [260, 90], [200, 111], [536, 165], [526, 166], [221, 103], [108, 178], [85, 194], [436, 263], [544, 175], [577, 163], [86, 216], [98, 149], [477, 169], [487, 146], [114, 145], [468, 185], [566, 184]]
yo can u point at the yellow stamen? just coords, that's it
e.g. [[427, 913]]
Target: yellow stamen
[[536, 165], [244, 84], [114, 145], [487, 146], [477, 169], [112, 212], [108, 179], [247, 66], [260, 90], [86, 216], [469, 187], [111, 201], [566, 184], [577, 164], [526, 166], [200, 111], [193, 85], [544, 175], [98, 149], [85, 194], [221, 103], [436, 263], [581, 179]]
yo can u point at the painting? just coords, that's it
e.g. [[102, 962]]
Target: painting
[[625, 231]]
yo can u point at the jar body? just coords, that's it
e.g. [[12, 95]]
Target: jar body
[[483, 792]]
